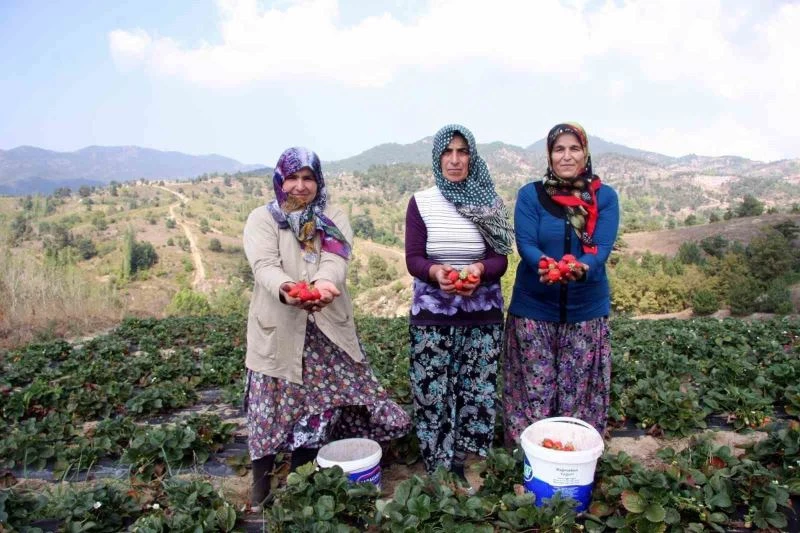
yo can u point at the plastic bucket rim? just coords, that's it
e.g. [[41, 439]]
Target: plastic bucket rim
[[356, 465], [559, 456]]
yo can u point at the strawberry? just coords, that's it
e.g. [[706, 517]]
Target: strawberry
[[569, 258], [569, 447], [564, 267], [305, 295], [452, 276], [547, 443], [472, 278], [315, 295], [543, 263], [294, 291], [554, 275], [459, 284]]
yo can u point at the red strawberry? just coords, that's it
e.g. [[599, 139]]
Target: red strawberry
[[315, 295], [459, 284], [294, 291], [472, 278], [569, 258], [452, 276], [554, 274], [563, 267], [547, 443], [543, 263], [305, 295]]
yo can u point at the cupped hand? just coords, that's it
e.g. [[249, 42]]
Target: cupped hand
[[441, 277], [473, 280]]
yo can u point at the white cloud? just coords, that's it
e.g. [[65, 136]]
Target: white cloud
[[725, 135], [739, 55]]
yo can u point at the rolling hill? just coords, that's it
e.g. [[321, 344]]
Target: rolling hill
[[27, 169]]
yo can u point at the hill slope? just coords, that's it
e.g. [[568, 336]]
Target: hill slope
[[28, 169]]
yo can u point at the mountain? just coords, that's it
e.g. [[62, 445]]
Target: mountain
[[27, 169], [598, 146], [496, 154]]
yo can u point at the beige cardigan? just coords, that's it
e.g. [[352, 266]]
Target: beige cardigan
[[276, 331]]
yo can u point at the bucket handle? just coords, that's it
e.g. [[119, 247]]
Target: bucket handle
[[569, 419]]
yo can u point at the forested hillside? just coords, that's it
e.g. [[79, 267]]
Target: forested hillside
[[81, 258]]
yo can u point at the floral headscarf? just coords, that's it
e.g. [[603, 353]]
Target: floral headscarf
[[475, 197], [305, 221], [578, 195]]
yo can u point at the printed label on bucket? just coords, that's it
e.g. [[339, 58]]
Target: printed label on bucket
[[544, 490], [371, 475]]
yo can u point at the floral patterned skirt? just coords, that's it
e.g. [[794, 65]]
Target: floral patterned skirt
[[339, 398], [453, 383], [552, 369]]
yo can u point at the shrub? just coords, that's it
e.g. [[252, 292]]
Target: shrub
[[214, 245], [188, 302], [143, 256], [704, 302], [742, 295]]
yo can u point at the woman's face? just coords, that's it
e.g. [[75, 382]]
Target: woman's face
[[301, 186], [455, 159], [568, 156]]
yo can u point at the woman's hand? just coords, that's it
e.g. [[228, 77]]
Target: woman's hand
[[440, 274], [327, 291], [574, 274], [473, 280]]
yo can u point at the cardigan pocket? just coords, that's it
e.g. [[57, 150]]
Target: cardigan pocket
[[265, 339]]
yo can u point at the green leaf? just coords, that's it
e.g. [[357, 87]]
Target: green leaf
[[632, 502], [655, 513]]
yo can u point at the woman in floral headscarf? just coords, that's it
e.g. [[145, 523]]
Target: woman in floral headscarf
[[557, 359], [459, 224], [308, 381]]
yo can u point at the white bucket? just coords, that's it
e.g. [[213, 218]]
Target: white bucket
[[359, 458], [570, 473]]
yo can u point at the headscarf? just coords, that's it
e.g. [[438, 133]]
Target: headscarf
[[307, 220], [475, 197], [578, 195]]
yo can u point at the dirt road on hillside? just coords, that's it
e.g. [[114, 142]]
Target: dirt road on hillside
[[199, 283]]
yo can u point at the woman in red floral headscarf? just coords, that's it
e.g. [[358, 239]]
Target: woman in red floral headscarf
[[557, 349]]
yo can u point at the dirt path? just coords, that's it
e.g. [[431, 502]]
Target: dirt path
[[199, 283]]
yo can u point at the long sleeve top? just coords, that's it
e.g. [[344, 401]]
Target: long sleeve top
[[276, 332], [463, 246], [542, 229]]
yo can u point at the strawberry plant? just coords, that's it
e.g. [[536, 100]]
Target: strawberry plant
[[434, 503], [187, 506], [19, 508], [321, 500], [518, 513], [156, 451], [500, 473], [100, 508], [161, 397]]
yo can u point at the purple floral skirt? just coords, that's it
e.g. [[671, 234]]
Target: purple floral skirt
[[552, 369], [339, 398]]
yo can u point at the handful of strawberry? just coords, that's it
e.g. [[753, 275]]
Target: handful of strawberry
[[459, 278], [304, 291], [553, 444], [560, 270]]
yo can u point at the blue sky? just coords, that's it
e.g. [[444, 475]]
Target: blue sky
[[246, 79]]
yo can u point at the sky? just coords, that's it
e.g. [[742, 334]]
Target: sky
[[246, 78]]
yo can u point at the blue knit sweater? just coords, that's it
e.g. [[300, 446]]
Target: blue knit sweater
[[541, 229]]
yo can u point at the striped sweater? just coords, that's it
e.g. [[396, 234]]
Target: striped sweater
[[437, 234]]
